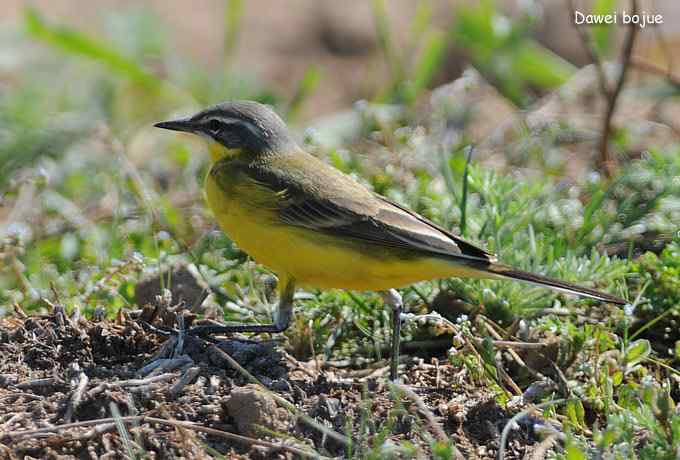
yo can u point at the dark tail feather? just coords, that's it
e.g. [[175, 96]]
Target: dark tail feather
[[512, 273]]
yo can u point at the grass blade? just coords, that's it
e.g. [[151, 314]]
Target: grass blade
[[122, 430], [603, 33], [430, 61], [307, 85], [463, 198], [78, 43], [233, 12]]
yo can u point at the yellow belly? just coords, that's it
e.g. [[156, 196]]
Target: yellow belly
[[316, 259]]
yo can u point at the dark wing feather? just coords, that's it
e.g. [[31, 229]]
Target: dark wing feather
[[464, 246], [366, 217], [342, 208]]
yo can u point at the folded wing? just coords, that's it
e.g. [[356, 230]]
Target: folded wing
[[364, 217]]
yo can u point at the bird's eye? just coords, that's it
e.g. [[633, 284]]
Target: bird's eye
[[214, 126]]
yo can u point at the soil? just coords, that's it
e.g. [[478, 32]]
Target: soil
[[58, 370]]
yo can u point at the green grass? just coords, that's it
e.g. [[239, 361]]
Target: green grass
[[112, 202]]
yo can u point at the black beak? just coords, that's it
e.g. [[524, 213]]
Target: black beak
[[177, 125]]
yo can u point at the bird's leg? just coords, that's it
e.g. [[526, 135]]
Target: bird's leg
[[393, 299], [284, 314]]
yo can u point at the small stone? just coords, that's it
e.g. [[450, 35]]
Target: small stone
[[251, 407], [281, 385]]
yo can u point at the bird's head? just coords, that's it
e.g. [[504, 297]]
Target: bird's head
[[236, 128]]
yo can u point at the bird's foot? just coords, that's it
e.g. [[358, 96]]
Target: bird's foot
[[393, 299]]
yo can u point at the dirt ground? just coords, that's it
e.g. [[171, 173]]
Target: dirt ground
[[62, 377]]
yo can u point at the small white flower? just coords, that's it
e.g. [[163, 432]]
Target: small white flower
[[629, 309]]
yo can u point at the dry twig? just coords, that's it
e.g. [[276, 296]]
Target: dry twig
[[610, 94], [77, 396], [591, 52], [15, 436], [183, 381], [612, 98], [38, 383], [427, 413], [142, 383]]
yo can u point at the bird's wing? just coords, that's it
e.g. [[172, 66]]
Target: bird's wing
[[330, 204], [364, 216], [463, 245]]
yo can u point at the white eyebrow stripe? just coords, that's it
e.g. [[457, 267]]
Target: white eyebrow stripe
[[231, 120]]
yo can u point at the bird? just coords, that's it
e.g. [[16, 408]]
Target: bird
[[314, 226]]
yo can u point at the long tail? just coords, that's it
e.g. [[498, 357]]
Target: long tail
[[508, 272]]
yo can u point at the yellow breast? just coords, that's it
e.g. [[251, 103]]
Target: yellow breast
[[310, 257]]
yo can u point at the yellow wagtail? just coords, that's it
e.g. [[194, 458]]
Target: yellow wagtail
[[313, 225]]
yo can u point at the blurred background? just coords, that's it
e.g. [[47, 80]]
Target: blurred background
[[276, 43], [556, 147]]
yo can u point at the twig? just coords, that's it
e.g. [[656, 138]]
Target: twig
[[429, 416], [139, 419], [413, 345], [22, 281], [376, 369], [14, 418], [38, 383], [187, 377], [179, 346], [77, 396], [94, 432], [612, 98], [165, 365], [508, 379], [499, 366], [592, 54], [470, 343], [491, 327], [131, 383], [19, 311], [519, 345], [611, 95], [302, 367], [14, 436], [55, 293], [235, 437], [312, 347], [14, 396]]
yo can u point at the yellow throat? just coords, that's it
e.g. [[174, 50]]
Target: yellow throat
[[218, 151]]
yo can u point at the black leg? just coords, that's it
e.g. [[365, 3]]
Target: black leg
[[284, 315], [393, 299]]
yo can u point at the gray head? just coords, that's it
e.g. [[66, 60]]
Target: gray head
[[238, 125]]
